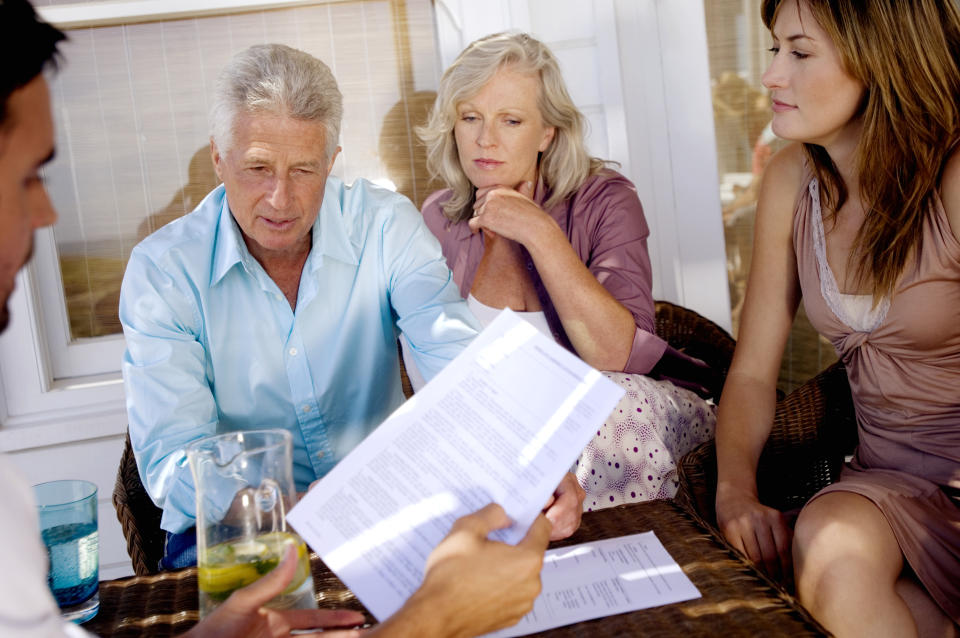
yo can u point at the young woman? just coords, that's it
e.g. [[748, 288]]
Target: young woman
[[531, 222], [860, 219]]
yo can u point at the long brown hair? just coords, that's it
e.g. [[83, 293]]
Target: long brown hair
[[907, 55]]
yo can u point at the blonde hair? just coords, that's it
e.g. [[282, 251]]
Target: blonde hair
[[906, 53], [563, 166]]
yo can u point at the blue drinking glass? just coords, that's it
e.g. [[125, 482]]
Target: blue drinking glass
[[68, 524]]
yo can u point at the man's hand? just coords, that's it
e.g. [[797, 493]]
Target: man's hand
[[565, 507], [760, 532], [243, 614], [473, 585]]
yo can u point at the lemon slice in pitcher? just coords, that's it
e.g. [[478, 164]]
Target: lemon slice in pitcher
[[224, 579], [232, 565], [277, 543]]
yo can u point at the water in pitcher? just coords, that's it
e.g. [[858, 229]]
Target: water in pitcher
[[224, 568]]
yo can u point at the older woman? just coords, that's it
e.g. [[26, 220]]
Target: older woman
[[531, 222]]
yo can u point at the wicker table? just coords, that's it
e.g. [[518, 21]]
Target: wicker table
[[737, 600]]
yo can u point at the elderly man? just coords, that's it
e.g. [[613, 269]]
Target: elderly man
[[276, 303], [501, 581]]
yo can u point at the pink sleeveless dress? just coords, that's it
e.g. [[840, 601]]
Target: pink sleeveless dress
[[905, 379]]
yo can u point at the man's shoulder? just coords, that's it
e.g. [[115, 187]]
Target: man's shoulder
[[365, 206], [188, 240], [194, 227]]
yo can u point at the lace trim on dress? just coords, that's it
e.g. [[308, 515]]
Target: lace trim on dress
[[850, 309]]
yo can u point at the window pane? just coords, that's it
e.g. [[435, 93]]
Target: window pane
[[132, 139], [738, 43]]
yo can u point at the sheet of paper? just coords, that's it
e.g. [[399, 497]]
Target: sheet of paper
[[607, 577], [502, 423]]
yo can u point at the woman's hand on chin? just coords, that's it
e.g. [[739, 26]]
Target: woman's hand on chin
[[510, 213]]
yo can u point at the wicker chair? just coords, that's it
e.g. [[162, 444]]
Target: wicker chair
[[814, 429], [694, 335], [138, 516]]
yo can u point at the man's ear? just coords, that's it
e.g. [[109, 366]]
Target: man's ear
[[333, 158], [215, 156]]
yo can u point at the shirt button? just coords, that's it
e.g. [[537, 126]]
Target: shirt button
[[293, 352], [306, 408], [320, 455], [530, 266]]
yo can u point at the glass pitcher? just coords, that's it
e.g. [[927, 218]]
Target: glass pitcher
[[244, 483]]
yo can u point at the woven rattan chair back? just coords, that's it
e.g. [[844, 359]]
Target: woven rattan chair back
[[695, 335], [138, 516]]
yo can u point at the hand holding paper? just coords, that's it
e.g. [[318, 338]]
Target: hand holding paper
[[502, 424], [472, 584]]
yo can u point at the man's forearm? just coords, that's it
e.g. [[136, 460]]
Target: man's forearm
[[416, 619]]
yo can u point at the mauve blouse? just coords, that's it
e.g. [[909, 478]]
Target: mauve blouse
[[603, 221]]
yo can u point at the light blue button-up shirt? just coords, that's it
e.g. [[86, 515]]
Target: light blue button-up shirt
[[213, 345]]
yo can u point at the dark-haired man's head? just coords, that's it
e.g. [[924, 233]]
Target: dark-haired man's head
[[27, 45]]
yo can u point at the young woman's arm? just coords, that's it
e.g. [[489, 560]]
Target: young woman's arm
[[749, 394]]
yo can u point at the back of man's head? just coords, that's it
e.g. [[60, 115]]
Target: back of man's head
[[26, 46], [279, 80]]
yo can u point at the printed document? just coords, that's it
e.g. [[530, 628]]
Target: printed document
[[602, 578], [502, 423]]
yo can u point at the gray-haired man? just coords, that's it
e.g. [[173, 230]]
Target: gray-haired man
[[277, 302]]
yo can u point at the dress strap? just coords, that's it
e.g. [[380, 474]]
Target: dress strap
[[844, 307]]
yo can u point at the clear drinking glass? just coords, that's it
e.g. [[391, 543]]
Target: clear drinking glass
[[244, 483], [68, 524]]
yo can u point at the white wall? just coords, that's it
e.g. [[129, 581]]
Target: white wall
[[67, 429]]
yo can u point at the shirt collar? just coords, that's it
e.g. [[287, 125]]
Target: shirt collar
[[228, 246], [330, 237]]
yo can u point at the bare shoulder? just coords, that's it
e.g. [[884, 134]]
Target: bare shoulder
[[782, 177], [950, 192], [781, 182]]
